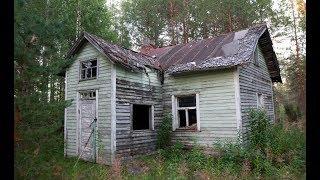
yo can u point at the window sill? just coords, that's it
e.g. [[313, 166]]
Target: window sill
[[187, 129], [142, 131], [87, 79]]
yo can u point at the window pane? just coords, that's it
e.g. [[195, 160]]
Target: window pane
[[83, 74], [88, 73], [187, 101], [83, 65], [94, 72], [192, 113], [182, 117], [93, 63]]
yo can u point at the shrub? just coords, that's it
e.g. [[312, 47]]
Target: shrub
[[259, 125], [164, 132], [272, 149]]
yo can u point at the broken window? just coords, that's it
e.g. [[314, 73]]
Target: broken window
[[187, 111], [88, 69], [260, 102], [141, 117], [88, 95]]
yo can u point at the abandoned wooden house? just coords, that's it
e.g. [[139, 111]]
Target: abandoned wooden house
[[119, 96]]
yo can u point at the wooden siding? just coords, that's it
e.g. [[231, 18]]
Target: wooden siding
[[255, 79], [102, 84], [134, 87], [217, 105]]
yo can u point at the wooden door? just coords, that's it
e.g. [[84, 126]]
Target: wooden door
[[87, 106]]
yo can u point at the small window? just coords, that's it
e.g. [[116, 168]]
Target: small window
[[88, 95], [141, 117], [88, 69], [187, 112], [260, 102]]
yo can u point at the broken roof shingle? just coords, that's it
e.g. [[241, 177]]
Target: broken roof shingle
[[126, 57]]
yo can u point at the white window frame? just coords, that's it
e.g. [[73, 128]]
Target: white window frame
[[176, 108], [80, 68]]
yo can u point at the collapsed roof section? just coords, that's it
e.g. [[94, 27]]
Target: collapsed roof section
[[224, 51], [129, 59]]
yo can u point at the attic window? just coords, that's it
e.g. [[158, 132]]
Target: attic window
[[88, 69]]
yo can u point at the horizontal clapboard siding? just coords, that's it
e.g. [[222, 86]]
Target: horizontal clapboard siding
[[102, 84], [216, 101], [139, 88], [255, 79]]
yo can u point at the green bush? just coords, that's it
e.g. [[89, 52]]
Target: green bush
[[272, 149], [259, 125], [164, 132]]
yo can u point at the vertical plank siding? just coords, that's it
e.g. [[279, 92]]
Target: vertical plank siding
[[136, 88], [217, 105], [102, 84], [255, 79]]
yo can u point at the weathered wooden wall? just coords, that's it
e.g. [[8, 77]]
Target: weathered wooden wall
[[255, 79], [102, 84], [136, 88], [217, 105]]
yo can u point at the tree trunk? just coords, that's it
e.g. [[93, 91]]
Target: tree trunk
[[186, 22], [300, 79]]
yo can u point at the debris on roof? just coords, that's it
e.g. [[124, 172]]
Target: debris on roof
[[128, 58], [224, 51]]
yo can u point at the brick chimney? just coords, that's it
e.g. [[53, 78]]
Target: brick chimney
[[147, 45]]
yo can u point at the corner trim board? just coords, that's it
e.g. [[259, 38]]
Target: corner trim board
[[113, 112], [173, 102], [198, 111], [65, 115], [237, 98]]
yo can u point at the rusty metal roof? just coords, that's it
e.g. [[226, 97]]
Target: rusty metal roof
[[224, 51], [117, 54]]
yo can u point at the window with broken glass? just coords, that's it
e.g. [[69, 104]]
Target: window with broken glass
[[187, 112], [88, 69], [87, 95]]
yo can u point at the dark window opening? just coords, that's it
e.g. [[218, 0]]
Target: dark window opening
[[88, 69], [187, 101], [192, 116], [141, 117], [182, 117]]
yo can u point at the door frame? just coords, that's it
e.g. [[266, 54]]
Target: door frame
[[79, 122]]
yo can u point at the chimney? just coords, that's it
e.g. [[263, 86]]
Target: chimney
[[147, 45]]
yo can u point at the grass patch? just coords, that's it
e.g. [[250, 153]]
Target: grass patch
[[39, 155]]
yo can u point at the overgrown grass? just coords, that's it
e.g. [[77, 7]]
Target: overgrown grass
[[39, 155]]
